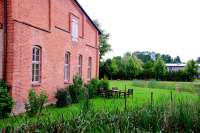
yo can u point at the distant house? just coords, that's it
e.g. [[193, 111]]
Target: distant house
[[177, 67], [43, 44]]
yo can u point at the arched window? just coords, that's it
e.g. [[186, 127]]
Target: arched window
[[80, 62], [36, 64], [67, 67], [89, 68]]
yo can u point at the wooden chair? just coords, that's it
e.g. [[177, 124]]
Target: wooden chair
[[102, 92], [116, 91], [130, 92]]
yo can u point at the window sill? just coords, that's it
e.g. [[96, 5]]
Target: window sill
[[36, 84], [67, 82]]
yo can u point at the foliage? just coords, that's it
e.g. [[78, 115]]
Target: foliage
[[92, 87], [132, 66], [104, 84], [159, 69], [63, 98], [76, 89], [140, 99], [177, 59], [35, 103], [6, 102], [191, 70], [104, 47], [147, 72], [166, 117], [167, 58], [144, 56]]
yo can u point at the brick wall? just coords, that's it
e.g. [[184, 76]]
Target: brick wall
[[49, 29], [1, 39]]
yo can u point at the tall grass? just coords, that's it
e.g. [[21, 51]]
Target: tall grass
[[166, 116], [192, 87]]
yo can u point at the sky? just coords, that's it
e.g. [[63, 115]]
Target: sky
[[164, 26]]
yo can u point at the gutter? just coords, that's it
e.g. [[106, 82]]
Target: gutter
[[5, 27]]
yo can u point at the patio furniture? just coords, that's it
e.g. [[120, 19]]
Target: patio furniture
[[130, 92], [108, 93], [102, 92], [126, 93], [116, 91]]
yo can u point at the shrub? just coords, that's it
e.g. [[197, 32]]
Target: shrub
[[104, 84], [63, 98], [6, 102], [75, 89], [35, 102], [92, 87]]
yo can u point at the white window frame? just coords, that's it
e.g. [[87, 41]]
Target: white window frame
[[80, 65], [74, 27], [67, 67], [89, 68], [35, 62]]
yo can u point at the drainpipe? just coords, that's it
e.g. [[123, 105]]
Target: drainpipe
[[5, 38]]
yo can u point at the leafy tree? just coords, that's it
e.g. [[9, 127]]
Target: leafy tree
[[148, 70], [191, 69], [145, 56], [167, 58], [104, 46], [177, 59], [132, 66], [159, 68]]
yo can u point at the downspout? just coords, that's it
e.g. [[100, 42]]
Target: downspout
[[5, 38]]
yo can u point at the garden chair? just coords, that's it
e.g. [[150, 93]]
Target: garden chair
[[102, 92], [130, 92], [115, 91]]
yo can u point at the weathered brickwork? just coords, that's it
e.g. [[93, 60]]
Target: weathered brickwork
[[46, 23], [1, 39]]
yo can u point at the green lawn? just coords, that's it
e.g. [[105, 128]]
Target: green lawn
[[142, 95]]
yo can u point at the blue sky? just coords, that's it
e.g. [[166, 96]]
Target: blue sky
[[165, 26]]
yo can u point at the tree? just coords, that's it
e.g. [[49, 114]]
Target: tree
[[167, 58], [177, 59], [104, 46], [145, 56], [132, 66], [110, 68], [191, 69], [159, 68], [148, 70]]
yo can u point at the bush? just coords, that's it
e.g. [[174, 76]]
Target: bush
[[75, 89], [6, 102], [104, 84], [35, 103], [63, 98], [92, 87]]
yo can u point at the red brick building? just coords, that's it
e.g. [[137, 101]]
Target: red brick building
[[43, 44]]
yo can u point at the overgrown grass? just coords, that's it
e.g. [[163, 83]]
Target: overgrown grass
[[140, 99], [192, 87], [173, 116]]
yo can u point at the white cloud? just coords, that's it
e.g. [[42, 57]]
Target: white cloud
[[165, 26]]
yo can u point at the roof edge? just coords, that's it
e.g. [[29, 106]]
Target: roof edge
[[87, 16]]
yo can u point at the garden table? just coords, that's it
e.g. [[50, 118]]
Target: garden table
[[116, 93]]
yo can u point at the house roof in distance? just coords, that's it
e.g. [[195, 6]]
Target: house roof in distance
[[177, 65], [87, 16]]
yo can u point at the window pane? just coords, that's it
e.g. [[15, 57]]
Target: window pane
[[37, 51], [37, 58], [74, 29], [36, 64], [67, 67]]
